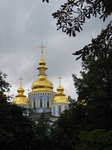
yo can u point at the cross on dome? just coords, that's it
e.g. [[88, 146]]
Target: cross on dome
[[42, 46], [20, 80], [59, 79]]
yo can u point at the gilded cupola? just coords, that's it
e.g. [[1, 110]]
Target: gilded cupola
[[20, 99], [60, 98], [42, 84]]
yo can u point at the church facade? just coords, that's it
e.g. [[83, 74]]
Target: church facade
[[42, 98]]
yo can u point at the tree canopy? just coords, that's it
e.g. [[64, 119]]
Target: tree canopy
[[95, 83], [73, 14], [89, 127], [16, 130], [99, 46]]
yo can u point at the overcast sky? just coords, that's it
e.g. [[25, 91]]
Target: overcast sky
[[24, 26]]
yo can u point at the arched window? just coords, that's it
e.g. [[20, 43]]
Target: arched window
[[59, 109], [34, 104], [47, 103], [40, 102]]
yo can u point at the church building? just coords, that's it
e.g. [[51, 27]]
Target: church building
[[42, 98]]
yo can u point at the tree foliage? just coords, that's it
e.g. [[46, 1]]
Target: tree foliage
[[100, 46], [96, 139], [4, 87], [16, 130], [95, 83], [76, 130], [97, 68], [73, 13], [45, 1], [42, 132], [89, 127], [67, 128]]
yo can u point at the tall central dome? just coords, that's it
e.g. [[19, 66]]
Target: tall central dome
[[42, 84]]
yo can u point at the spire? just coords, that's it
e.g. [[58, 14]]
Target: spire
[[20, 81], [42, 46], [42, 61], [42, 65], [42, 84], [20, 90], [60, 89], [60, 79]]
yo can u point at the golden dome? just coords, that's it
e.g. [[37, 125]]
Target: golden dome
[[60, 97], [20, 99], [42, 84]]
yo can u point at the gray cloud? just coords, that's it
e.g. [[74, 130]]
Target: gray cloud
[[24, 26]]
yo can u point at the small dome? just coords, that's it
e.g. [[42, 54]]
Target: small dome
[[20, 99], [60, 98]]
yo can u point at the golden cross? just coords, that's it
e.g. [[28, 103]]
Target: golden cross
[[20, 80], [42, 46], [60, 79]]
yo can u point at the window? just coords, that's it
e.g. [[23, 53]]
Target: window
[[47, 103], [34, 104], [40, 102], [59, 109]]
